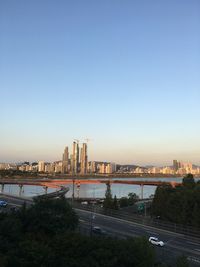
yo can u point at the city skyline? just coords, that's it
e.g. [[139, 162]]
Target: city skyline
[[125, 75], [79, 159]]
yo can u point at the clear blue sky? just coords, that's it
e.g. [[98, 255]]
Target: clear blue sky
[[123, 73]]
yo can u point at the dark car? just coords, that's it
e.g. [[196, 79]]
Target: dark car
[[3, 203], [14, 209], [97, 230]]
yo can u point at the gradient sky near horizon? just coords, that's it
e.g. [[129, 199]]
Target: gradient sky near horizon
[[125, 74]]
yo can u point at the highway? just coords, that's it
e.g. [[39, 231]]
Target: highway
[[15, 201], [175, 244]]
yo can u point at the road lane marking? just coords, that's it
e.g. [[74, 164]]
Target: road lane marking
[[193, 259], [184, 249], [193, 243], [152, 233], [135, 233]]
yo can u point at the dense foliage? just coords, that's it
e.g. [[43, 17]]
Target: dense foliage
[[128, 201], [113, 203], [180, 204], [109, 202], [46, 235], [182, 262], [13, 173]]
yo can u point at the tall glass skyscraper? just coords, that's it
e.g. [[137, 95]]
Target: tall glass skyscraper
[[65, 160], [84, 159], [75, 158]]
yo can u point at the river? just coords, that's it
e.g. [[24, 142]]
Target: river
[[95, 190]]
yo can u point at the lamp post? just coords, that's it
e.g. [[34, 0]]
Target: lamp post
[[78, 189], [73, 190], [92, 213]]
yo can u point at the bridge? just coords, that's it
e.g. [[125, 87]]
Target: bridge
[[58, 183], [63, 190]]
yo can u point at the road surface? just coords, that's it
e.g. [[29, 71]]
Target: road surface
[[175, 244]]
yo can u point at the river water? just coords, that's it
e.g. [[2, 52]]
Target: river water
[[94, 190]]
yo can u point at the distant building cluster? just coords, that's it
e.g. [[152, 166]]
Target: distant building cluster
[[74, 163], [178, 168], [8, 166], [101, 167], [77, 163]]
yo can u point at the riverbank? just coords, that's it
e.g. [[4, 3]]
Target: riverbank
[[16, 174], [91, 176]]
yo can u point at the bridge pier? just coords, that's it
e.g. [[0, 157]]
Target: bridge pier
[[45, 189], [2, 188], [78, 189], [142, 191], [73, 191], [20, 189]]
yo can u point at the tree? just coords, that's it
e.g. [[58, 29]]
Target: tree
[[188, 181], [160, 201], [180, 204], [115, 203], [123, 202], [182, 262], [132, 198], [31, 253], [108, 202], [26, 243], [196, 208], [50, 216], [196, 215]]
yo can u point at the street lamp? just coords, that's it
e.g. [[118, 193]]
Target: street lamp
[[92, 212], [78, 189], [73, 190]]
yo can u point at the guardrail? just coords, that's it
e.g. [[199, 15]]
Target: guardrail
[[172, 227]]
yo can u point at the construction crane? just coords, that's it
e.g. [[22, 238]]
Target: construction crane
[[87, 140], [81, 142]]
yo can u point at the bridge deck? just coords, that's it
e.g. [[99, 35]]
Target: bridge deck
[[57, 183]]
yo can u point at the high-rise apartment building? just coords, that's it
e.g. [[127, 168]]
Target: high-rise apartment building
[[84, 159], [186, 166], [50, 167], [58, 167], [71, 164], [175, 165], [92, 167], [65, 160], [41, 166], [110, 168]]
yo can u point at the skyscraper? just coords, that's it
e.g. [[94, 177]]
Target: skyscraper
[[175, 165], [84, 159], [75, 158], [65, 160]]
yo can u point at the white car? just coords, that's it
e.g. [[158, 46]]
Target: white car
[[84, 203], [156, 241]]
